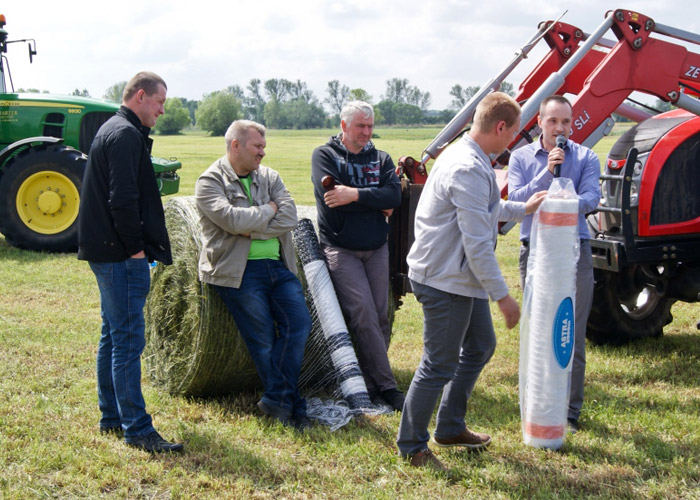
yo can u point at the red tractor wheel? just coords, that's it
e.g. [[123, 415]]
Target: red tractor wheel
[[626, 307]]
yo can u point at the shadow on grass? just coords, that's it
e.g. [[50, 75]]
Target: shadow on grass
[[672, 358], [10, 254]]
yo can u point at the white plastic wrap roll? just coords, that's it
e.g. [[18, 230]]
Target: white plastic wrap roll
[[547, 326]]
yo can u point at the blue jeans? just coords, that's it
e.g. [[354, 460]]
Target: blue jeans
[[271, 315], [458, 341], [123, 290]]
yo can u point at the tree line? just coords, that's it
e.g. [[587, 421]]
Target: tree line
[[279, 103]]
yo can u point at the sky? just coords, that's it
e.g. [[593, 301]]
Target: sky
[[207, 45]]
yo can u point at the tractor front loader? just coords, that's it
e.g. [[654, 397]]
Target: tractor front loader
[[645, 234]]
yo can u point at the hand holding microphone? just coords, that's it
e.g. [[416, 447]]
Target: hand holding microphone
[[561, 142]]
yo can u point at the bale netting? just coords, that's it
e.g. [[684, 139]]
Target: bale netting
[[193, 346]]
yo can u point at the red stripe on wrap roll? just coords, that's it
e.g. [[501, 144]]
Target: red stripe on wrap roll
[[558, 219]]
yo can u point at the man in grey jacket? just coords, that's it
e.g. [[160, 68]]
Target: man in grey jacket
[[247, 216], [453, 271]]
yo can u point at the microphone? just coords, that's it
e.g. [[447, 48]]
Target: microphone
[[561, 142]]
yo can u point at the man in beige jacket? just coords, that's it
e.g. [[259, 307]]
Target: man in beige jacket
[[247, 216]]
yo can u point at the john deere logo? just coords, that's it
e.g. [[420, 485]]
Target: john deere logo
[[563, 332]]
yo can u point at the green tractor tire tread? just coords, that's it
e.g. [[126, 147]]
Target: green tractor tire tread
[[57, 158]]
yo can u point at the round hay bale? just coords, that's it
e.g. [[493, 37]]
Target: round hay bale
[[193, 347]]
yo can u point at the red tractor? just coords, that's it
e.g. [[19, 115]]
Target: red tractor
[[645, 233]]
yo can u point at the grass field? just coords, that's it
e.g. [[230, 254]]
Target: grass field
[[640, 434]]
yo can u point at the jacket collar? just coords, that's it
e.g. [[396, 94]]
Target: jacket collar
[[131, 117], [230, 173]]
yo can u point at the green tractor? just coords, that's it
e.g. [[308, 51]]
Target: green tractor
[[44, 140]]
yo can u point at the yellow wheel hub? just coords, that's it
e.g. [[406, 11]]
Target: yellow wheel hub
[[48, 202]]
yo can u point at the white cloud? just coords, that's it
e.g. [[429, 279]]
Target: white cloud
[[202, 46]]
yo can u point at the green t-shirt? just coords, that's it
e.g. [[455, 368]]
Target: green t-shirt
[[260, 249]]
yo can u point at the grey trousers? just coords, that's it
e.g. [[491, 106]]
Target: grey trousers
[[584, 300], [458, 341], [361, 282]]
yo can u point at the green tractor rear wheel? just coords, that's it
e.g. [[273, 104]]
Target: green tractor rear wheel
[[40, 198]]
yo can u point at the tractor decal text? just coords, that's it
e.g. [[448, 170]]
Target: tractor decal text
[[693, 72], [582, 120]]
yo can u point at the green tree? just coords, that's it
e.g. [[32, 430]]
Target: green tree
[[115, 92], [662, 105], [461, 96], [237, 91], [507, 87], [31, 91], [255, 103], [277, 88], [81, 93], [302, 114], [359, 95], [175, 118], [337, 96], [216, 112], [273, 114], [400, 91], [399, 113], [191, 107]]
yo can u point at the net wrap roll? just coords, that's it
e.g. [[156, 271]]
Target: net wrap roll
[[547, 324]]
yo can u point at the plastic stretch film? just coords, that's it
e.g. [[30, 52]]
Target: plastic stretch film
[[547, 323]]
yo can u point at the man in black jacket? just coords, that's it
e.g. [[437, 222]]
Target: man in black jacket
[[352, 220], [121, 228]]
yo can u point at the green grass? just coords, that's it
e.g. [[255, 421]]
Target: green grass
[[640, 436]]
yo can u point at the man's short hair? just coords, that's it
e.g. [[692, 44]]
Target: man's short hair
[[555, 98], [145, 80], [496, 107], [238, 130], [353, 108]]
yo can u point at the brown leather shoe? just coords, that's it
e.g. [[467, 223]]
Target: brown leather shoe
[[468, 439], [425, 458]]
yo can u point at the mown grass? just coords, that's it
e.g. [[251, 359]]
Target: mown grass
[[640, 436]]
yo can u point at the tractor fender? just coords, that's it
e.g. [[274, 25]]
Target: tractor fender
[[9, 150]]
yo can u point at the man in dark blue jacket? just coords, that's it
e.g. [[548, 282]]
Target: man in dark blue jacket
[[352, 220], [121, 227]]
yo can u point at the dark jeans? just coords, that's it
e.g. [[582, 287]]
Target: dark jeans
[[458, 341], [361, 282], [271, 315], [123, 290]]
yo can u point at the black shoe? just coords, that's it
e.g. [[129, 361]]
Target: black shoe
[[275, 413], [376, 398], [116, 431], [303, 423], [395, 398], [573, 425], [154, 443]]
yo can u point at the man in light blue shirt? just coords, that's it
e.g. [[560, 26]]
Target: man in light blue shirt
[[531, 169]]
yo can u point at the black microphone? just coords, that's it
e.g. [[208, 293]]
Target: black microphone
[[561, 142]]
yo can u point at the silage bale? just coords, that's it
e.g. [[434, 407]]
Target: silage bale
[[193, 347]]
